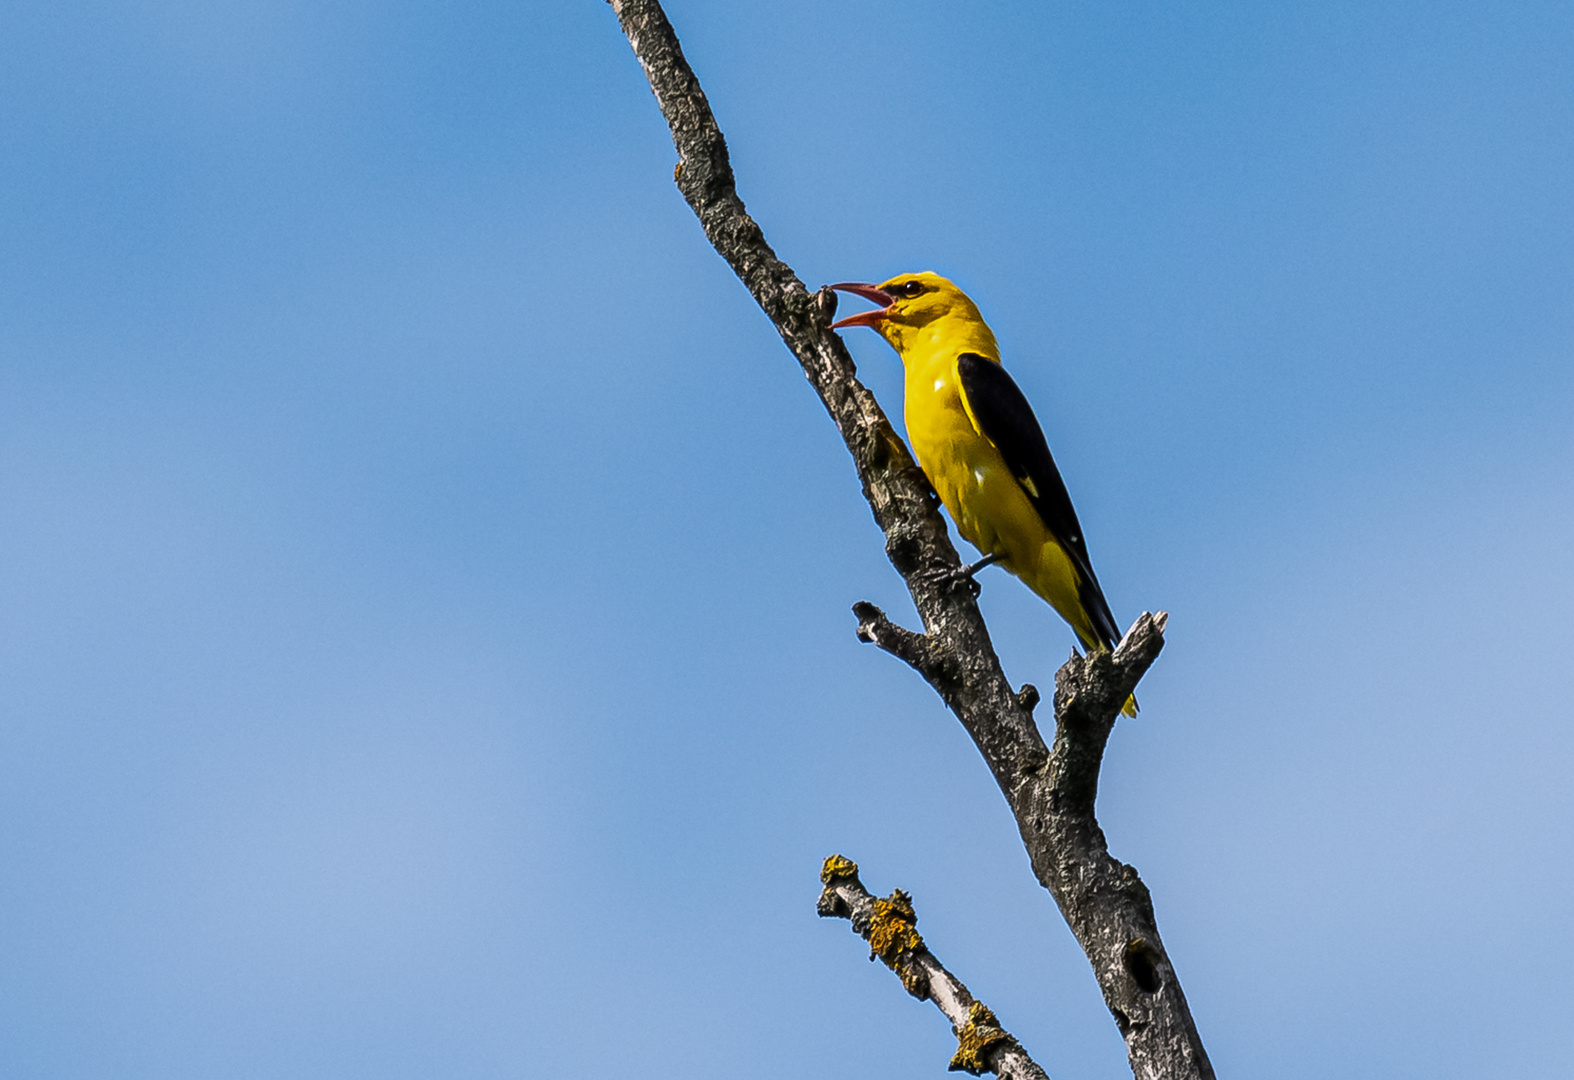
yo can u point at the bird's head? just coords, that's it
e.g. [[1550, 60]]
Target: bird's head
[[909, 304]]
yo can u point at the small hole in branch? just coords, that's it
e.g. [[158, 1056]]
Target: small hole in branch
[[1141, 965]]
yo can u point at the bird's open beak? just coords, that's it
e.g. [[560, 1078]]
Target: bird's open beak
[[871, 293]]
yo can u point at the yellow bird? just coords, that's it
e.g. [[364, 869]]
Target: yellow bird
[[976, 438]]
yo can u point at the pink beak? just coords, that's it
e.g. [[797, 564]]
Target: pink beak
[[871, 293]]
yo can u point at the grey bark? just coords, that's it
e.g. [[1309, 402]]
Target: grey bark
[[1050, 788]]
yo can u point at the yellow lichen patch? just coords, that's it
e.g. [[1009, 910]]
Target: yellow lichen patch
[[837, 866], [891, 930], [976, 1040], [893, 939]]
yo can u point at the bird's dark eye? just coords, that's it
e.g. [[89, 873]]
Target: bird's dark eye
[[908, 289]]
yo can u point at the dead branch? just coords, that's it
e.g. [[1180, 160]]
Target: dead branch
[[1050, 789]]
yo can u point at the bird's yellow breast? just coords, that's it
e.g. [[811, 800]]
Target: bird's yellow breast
[[968, 473]]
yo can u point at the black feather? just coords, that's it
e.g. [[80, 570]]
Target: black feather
[[1006, 419]]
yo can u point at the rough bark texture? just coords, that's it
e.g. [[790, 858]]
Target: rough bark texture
[[890, 928], [1051, 789]]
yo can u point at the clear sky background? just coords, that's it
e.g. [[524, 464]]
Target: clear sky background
[[424, 575]]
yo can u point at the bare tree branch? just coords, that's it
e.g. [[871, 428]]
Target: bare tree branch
[[1051, 790], [889, 926]]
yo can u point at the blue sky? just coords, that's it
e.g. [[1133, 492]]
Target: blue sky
[[424, 602]]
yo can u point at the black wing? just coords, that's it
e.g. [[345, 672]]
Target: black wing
[[1006, 419]]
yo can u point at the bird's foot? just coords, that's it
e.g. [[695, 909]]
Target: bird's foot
[[951, 576]]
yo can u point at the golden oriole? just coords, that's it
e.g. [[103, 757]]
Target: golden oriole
[[976, 438]]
